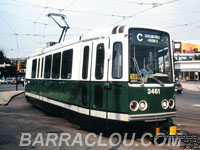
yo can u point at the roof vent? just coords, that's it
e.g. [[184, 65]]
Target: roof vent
[[121, 29], [49, 44], [114, 31]]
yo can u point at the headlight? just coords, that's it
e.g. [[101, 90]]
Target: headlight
[[164, 104], [171, 103], [143, 105], [134, 105]]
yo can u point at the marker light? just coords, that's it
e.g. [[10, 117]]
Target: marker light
[[164, 104], [134, 105], [143, 105], [171, 103]]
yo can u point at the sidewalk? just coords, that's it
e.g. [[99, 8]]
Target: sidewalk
[[191, 85], [6, 97]]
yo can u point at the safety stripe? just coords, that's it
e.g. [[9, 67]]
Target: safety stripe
[[85, 111], [97, 113], [100, 114], [155, 114], [151, 85], [118, 116]]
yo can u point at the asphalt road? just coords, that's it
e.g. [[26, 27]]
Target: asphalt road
[[10, 87], [21, 117], [188, 111]]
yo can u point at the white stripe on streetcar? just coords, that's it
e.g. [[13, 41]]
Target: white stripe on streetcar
[[95, 113], [197, 105]]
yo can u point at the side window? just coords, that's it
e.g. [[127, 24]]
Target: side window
[[117, 61], [41, 74], [67, 59], [34, 64], [47, 67], [38, 69], [56, 65], [85, 62], [99, 62]]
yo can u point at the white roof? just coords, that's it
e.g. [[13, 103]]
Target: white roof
[[97, 33]]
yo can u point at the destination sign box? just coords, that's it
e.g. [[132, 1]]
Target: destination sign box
[[148, 37]]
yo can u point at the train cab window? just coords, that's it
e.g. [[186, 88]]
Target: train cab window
[[99, 62], [67, 59], [42, 67], [47, 67], [56, 65], [117, 61], [34, 64], [85, 62], [38, 69]]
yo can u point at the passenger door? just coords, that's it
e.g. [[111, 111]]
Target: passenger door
[[99, 79], [85, 78]]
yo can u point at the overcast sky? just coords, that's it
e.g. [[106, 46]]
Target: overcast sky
[[25, 27]]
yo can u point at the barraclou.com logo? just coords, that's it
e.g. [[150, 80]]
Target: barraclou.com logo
[[78, 139]]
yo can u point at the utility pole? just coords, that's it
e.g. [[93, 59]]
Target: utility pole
[[16, 75]]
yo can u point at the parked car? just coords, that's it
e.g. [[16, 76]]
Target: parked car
[[13, 81], [21, 80], [178, 87], [3, 81], [8, 80]]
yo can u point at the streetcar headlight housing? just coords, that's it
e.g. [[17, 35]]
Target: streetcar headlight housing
[[134, 105], [165, 104], [143, 105], [171, 103]]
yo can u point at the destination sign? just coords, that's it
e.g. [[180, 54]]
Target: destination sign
[[148, 37]]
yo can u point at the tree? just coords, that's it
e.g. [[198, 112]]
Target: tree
[[3, 58], [4, 72]]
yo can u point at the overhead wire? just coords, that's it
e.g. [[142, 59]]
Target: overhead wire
[[68, 10], [137, 3], [145, 10], [69, 5], [10, 27], [37, 22], [24, 19], [40, 17], [184, 24]]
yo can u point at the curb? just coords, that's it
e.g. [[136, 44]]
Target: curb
[[13, 97], [195, 87], [198, 91]]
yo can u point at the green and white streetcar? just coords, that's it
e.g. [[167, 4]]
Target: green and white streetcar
[[119, 74]]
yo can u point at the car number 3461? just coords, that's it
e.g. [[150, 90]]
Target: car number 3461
[[153, 91]]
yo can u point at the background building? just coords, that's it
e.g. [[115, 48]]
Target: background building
[[187, 60]]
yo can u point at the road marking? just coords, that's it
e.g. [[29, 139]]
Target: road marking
[[198, 105]]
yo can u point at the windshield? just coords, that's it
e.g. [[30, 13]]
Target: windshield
[[149, 59]]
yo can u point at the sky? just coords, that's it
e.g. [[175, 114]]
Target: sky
[[24, 25]]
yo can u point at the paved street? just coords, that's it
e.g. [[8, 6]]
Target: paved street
[[21, 117], [188, 111], [10, 87]]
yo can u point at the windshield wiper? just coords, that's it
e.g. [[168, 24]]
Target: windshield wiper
[[138, 71], [157, 80]]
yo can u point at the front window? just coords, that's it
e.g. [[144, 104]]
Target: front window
[[149, 56]]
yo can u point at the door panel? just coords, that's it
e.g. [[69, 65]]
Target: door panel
[[99, 81], [85, 75], [118, 77]]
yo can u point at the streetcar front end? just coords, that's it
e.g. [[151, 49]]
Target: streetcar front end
[[151, 86]]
